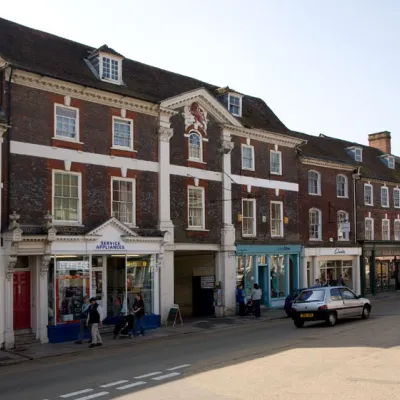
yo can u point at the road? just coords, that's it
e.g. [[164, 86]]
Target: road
[[267, 360]]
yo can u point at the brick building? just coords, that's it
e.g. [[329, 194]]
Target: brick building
[[118, 177]]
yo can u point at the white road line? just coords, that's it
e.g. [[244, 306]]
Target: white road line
[[93, 396], [160, 378], [147, 375], [113, 384], [64, 396], [131, 385], [178, 367]]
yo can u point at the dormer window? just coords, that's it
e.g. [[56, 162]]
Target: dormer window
[[235, 104], [357, 153], [388, 160]]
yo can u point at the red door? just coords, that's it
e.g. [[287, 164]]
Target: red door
[[22, 300]]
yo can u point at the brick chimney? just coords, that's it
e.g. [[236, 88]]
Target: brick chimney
[[381, 141]]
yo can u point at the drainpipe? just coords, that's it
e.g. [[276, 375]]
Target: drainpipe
[[356, 177]]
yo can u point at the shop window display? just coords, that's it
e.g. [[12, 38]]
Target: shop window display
[[336, 273], [277, 276], [245, 273]]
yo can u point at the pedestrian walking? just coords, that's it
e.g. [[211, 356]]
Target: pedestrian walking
[[84, 326], [138, 311], [94, 320], [240, 299], [256, 294]]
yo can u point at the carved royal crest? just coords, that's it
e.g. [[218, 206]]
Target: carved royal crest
[[195, 116]]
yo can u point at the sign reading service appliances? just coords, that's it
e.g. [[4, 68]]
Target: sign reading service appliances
[[110, 245]]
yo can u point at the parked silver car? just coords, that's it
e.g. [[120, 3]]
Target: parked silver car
[[328, 304]]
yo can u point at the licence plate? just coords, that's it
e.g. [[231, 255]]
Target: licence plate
[[306, 315]]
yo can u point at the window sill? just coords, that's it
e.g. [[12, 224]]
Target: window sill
[[276, 173], [315, 240], [369, 205], [196, 161], [342, 197], [249, 236], [197, 230], [111, 81], [66, 144], [123, 149], [276, 236], [121, 152], [315, 194], [248, 169], [68, 223], [385, 206], [63, 139]]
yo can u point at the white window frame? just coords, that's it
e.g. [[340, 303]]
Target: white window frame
[[346, 186], [249, 146], [358, 156], [385, 189], [254, 218], [133, 181], [386, 221], [110, 57], [346, 236], [319, 238], [76, 140], [79, 175], [318, 183], [280, 203], [240, 104], [391, 162], [113, 146], [372, 228], [203, 216], [280, 162], [396, 232], [372, 194], [200, 159], [396, 204]]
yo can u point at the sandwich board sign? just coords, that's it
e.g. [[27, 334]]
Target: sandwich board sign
[[174, 316]]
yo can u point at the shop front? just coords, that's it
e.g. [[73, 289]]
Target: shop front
[[380, 264], [332, 265], [111, 263], [274, 268]]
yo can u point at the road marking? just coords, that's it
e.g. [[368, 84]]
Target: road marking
[[160, 378], [113, 384], [178, 367], [64, 396], [93, 396], [131, 385], [147, 375]]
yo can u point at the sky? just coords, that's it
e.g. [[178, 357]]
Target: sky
[[323, 66]]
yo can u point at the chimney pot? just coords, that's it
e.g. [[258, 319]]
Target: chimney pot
[[381, 141]]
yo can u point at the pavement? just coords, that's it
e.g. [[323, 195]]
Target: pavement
[[266, 359]]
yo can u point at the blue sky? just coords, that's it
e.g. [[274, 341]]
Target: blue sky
[[323, 66]]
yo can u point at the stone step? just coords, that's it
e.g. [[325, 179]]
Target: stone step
[[24, 339]]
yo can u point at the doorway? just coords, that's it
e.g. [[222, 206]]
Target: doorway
[[22, 300], [264, 283], [203, 296]]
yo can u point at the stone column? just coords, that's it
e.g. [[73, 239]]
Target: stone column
[[315, 268], [225, 259], [43, 299], [357, 275], [303, 272], [156, 264]]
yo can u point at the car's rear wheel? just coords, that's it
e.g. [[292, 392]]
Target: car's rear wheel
[[298, 323], [332, 319], [366, 312]]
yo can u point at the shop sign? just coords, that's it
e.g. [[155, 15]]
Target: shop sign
[[72, 265], [131, 264], [113, 245], [207, 282], [340, 251]]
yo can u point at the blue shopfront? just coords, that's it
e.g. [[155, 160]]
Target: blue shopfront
[[276, 268]]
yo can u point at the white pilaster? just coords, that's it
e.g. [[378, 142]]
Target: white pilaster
[[2, 297], [43, 266], [156, 264], [303, 273], [9, 311], [3, 129], [315, 268], [166, 284], [356, 276]]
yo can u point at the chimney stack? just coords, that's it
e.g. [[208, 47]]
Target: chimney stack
[[381, 141]]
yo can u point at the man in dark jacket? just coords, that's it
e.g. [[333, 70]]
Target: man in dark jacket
[[94, 320], [138, 310], [84, 315]]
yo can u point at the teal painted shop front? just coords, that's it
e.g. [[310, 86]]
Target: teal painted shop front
[[275, 268]]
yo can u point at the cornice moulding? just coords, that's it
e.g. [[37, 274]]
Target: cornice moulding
[[365, 179], [81, 92], [326, 164]]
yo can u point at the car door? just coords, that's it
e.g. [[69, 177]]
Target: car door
[[337, 303], [352, 304]]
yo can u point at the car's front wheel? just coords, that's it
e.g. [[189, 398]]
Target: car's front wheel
[[366, 312], [298, 323], [332, 319]]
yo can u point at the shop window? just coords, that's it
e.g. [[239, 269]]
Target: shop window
[[368, 195], [245, 274], [248, 217], [196, 212], [278, 276], [342, 223], [247, 157], [195, 147], [336, 272], [71, 284], [315, 224], [314, 183], [369, 229], [397, 229], [384, 196], [276, 219], [123, 200], [385, 229], [341, 186], [67, 197]]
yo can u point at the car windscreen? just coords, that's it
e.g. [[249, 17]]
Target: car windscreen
[[308, 296]]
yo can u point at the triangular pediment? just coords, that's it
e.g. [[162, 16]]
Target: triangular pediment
[[112, 228], [205, 100]]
